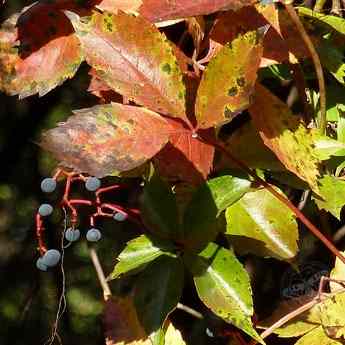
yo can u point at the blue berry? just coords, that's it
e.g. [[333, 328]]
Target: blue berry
[[72, 235], [93, 235], [45, 210], [92, 184], [51, 257], [48, 185], [120, 217], [41, 265]]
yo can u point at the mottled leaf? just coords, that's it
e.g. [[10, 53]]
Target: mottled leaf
[[281, 43], [260, 216], [317, 336], [159, 10], [134, 59], [38, 50], [159, 209], [332, 195], [228, 81], [158, 290], [138, 253], [286, 135], [223, 285], [337, 273], [184, 158], [200, 218], [107, 139]]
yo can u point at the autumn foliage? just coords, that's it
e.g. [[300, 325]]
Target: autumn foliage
[[214, 108]]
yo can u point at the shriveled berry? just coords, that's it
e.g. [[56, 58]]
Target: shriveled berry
[[45, 210], [93, 235]]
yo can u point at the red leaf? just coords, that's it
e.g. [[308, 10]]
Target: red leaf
[[101, 90], [48, 52], [281, 38], [107, 139], [185, 158], [159, 10], [134, 59]]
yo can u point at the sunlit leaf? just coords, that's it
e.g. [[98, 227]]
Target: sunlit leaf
[[334, 22], [228, 81], [208, 202], [137, 253], [326, 147], [38, 50], [107, 139], [134, 59], [159, 10], [286, 135], [317, 336], [158, 290], [173, 336], [159, 209], [223, 285], [260, 216], [332, 195], [184, 158]]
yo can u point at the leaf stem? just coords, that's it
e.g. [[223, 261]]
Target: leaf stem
[[317, 63], [279, 196]]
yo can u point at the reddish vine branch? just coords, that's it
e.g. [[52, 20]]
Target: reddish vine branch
[[279, 196]]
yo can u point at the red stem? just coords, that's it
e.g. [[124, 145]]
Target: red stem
[[279, 196], [39, 233]]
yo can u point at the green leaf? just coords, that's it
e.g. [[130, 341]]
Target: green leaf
[[326, 147], [134, 59], [263, 218], [332, 192], [139, 252], [332, 58], [158, 290], [223, 285], [213, 197], [159, 209], [228, 82], [317, 336], [336, 23]]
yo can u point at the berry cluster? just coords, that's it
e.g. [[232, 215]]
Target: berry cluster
[[51, 257]]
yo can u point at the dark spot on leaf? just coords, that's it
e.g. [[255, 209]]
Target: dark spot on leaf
[[232, 92], [241, 82], [166, 68], [52, 14], [180, 95], [52, 31], [130, 121], [228, 113]]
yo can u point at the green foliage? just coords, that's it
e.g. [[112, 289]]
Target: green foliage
[[178, 103]]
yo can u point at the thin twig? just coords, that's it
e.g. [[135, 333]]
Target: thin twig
[[189, 310], [209, 140], [336, 7], [304, 199], [319, 5], [100, 273], [317, 63]]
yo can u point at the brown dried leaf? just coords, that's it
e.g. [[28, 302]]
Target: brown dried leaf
[[107, 139], [134, 59]]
